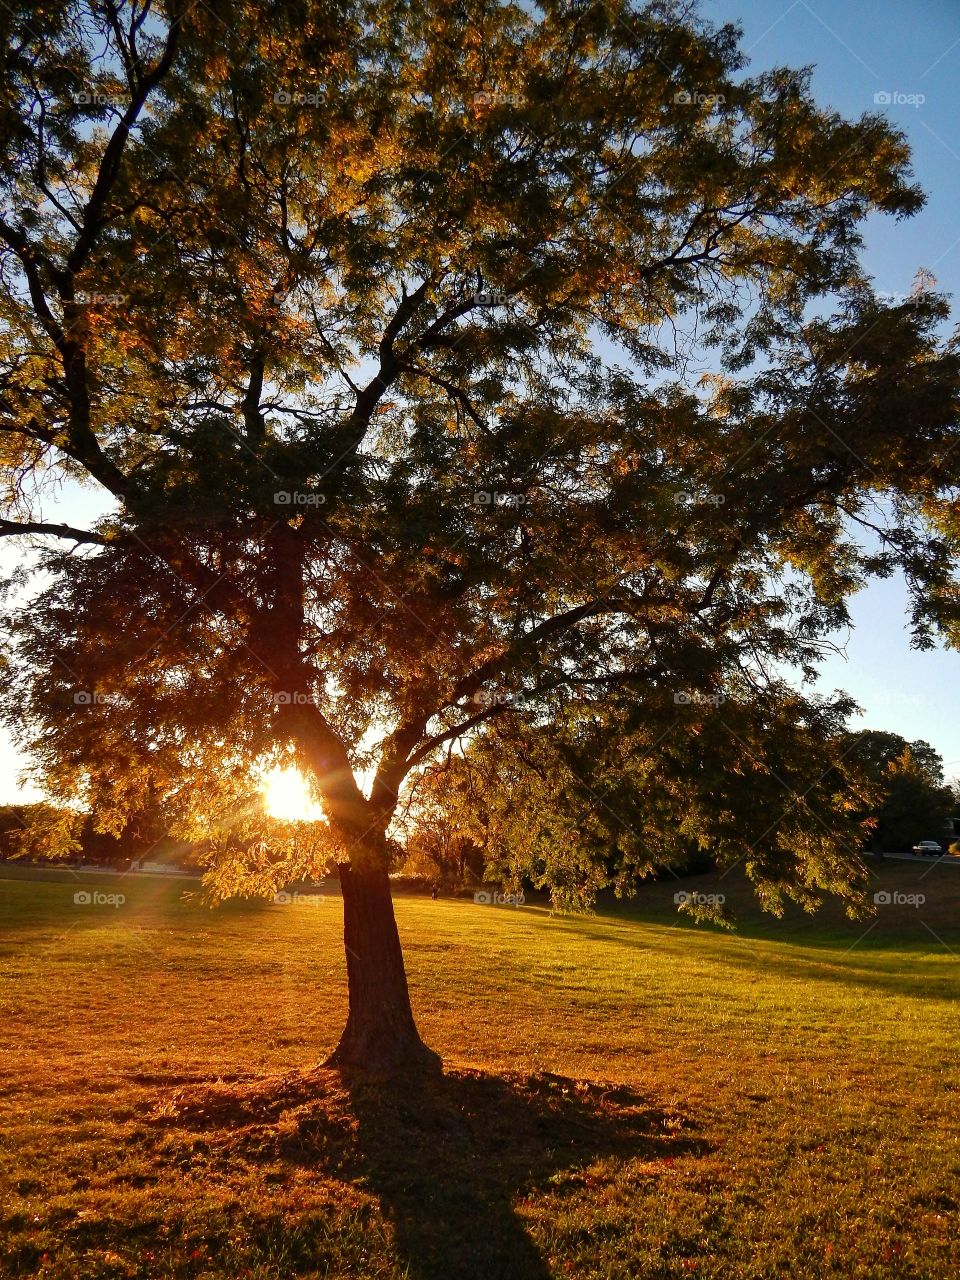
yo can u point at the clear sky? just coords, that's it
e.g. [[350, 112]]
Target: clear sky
[[909, 51]]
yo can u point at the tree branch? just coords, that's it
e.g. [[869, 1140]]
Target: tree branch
[[396, 763], [370, 396], [11, 528], [474, 680], [93, 213]]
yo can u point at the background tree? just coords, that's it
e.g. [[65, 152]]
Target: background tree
[[875, 749], [913, 808], [910, 801], [374, 323], [38, 831], [434, 827]]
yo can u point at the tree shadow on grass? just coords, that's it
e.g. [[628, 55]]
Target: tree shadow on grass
[[448, 1159], [447, 1156]]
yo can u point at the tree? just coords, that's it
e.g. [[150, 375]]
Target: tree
[[38, 830], [875, 749], [908, 798], [435, 843], [373, 323], [914, 807]]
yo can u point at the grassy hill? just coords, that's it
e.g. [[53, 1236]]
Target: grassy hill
[[627, 1094]]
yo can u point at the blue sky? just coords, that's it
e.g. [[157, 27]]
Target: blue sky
[[858, 48], [911, 51]]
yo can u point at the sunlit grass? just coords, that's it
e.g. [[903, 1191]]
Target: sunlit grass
[[791, 1106]]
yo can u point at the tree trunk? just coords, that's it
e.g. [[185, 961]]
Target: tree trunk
[[381, 1036]]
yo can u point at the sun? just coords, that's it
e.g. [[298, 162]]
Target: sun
[[287, 796]]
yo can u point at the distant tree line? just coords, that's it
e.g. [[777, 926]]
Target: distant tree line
[[272, 853], [495, 811], [42, 832]]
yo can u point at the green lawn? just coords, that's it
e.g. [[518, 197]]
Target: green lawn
[[626, 1096]]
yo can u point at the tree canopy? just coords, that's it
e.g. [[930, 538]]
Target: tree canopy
[[445, 364], [911, 801]]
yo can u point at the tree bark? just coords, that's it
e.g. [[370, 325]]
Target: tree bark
[[381, 1036]]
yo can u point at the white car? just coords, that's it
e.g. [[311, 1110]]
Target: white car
[[928, 847]]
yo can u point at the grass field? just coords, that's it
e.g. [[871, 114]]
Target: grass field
[[625, 1096]]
